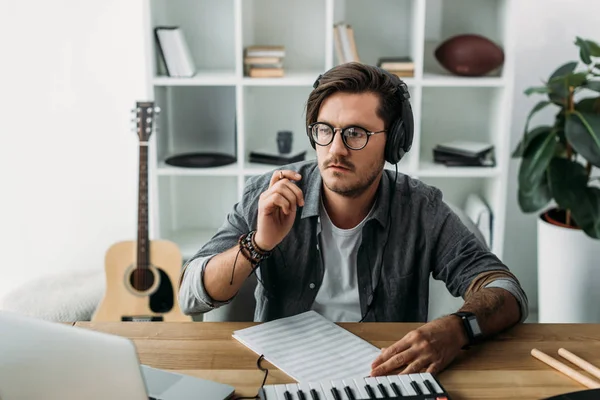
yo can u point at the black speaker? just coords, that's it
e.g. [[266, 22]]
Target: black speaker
[[401, 131]]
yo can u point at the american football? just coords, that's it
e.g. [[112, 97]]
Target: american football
[[469, 55]]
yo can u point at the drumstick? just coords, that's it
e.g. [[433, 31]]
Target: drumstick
[[580, 362], [568, 371]]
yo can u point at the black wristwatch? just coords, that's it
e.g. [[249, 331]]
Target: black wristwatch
[[471, 326]]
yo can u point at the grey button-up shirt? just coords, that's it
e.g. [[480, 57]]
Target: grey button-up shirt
[[411, 235]]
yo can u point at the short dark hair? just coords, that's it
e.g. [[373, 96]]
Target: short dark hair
[[354, 77]]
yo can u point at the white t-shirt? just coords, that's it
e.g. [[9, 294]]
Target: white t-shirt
[[337, 298]]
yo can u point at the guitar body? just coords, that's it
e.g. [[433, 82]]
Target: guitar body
[[154, 301]]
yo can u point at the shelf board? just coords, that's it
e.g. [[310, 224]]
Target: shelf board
[[202, 78], [430, 169], [190, 240], [439, 80], [290, 78], [169, 170]]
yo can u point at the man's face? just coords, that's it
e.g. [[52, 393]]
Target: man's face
[[345, 171]]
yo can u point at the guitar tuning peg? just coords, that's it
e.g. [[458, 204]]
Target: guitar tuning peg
[[148, 120], [148, 130], [157, 110]]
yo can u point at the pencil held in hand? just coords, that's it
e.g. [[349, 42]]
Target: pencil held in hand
[[568, 371]]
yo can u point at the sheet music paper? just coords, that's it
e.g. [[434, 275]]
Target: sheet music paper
[[310, 348]]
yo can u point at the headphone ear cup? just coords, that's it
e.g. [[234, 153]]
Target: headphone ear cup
[[394, 150], [408, 126]]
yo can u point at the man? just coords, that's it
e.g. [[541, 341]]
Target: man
[[353, 241]]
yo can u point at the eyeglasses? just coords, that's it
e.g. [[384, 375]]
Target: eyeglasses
[[354, 137]]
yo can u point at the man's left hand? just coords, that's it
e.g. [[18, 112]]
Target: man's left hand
[[430, 348]]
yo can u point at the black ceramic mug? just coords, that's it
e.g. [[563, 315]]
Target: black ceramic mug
[[284, 141]]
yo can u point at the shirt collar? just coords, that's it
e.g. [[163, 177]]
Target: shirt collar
[[312, 197]]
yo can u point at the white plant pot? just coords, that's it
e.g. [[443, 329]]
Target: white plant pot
[[568, 275]]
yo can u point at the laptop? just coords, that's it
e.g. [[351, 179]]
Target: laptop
[[48, 360]]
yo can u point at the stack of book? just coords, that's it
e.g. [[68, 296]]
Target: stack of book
[[175, 53], [264, 61], [463, 153], [345, 45], [399, 66]]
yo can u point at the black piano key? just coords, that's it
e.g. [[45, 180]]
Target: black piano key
[[287, 395], [416, 387], [396, 389], [314, 394], [349, 393], [301, 395], [335, 393], [370, 392], [383, 391], [429, 386]]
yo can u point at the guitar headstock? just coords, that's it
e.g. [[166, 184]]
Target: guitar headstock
[[145, 114]]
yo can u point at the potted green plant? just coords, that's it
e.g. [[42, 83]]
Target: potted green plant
[[555, 177]]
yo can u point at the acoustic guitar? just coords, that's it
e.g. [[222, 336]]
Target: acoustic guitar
[[142, 275]]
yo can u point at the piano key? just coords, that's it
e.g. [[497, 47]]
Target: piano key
[[419, 380], [304, 388], [436, 386], [372, 382], [326, 390], [359, 387], [292, 388], [316, 391], [385, 384], [280, 389], [395, 379], [270, 392], [406, 381], [339, 385], [335, 393], [287, 395], [370, 391], [415, 386], [349, 393]]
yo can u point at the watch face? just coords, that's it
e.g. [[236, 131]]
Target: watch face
[[474, 326]]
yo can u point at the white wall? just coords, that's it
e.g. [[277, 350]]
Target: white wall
[[546, 33], [69, 75]]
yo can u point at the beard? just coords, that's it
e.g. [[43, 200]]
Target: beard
[[349, 184]]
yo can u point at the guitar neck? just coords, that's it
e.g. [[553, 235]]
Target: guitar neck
[[143, 250]]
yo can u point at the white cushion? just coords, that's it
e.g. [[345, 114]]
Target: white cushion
[[60, 297]]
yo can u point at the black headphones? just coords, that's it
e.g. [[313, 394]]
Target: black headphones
[[400, 133]]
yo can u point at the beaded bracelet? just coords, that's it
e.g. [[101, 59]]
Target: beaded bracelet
[[250, 249]]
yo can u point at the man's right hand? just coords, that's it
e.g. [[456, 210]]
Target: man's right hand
[[277, 209]]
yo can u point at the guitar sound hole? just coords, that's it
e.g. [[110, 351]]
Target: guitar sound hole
[[141, 279]]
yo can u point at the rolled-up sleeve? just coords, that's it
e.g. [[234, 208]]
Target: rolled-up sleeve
[[516, 290], [193, 297]]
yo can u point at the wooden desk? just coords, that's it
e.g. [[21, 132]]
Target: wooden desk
[[501, 368]]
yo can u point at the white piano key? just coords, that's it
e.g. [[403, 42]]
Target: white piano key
[[434, 382], [305, 388], [359, 384], [386, 384], [270, 392], [326, 389], [339, 385], [417, 378], [319, 389], [280, 389], [293, 389], [406, 382], [371, 381], [396, 379]]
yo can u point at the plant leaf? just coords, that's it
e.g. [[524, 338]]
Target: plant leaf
[[527, 138], [590, 105], [592, 85], [594, 48], [536, 158], [583, 132], [573, 79], [568, 183], [584, 50], [537, 89], [538, 107], [559, 89], [536, 199]]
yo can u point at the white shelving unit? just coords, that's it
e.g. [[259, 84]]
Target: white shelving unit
[[221, 110]]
